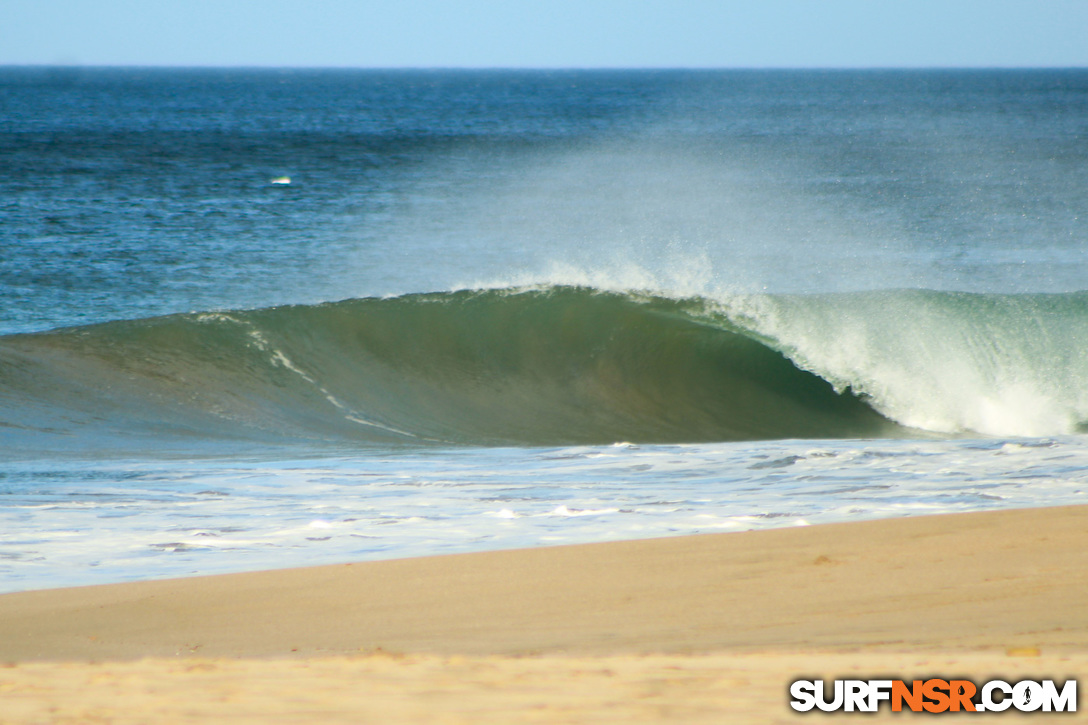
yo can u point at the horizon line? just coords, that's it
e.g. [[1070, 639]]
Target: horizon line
[[201, 66]]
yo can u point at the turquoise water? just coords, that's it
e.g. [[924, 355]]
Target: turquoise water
[[272, 318]]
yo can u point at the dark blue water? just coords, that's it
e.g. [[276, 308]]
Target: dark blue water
[[127, 193]]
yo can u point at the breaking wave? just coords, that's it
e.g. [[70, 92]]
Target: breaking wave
[[559, 365]]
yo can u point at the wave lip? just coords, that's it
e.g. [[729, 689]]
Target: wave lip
[[545, 366], [948, 362]]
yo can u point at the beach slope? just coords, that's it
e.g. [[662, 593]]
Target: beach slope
[[588, 626]]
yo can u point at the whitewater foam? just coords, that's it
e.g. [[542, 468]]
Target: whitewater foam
[[115, 520], [940, 361]]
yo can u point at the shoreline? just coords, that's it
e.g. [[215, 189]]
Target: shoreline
[[974, 594], [979, 579]]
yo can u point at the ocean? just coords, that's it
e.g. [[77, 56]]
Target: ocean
[[271, 318]]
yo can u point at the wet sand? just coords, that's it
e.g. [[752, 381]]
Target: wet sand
[[705, 628]]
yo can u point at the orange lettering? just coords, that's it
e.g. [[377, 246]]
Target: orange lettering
[[961, 692], [932, 690], [913, 696]]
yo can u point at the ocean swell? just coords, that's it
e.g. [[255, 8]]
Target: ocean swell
[[544, 366], [557, 365]]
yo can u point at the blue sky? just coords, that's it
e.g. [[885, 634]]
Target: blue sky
[[554, 33]]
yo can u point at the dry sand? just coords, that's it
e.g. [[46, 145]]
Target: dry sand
[[691, 629]]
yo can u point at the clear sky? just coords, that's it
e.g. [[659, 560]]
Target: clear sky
[[546, 33]]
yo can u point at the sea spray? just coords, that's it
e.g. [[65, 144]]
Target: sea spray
[[948, 362]]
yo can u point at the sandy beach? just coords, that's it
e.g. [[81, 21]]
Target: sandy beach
[[708, 628]]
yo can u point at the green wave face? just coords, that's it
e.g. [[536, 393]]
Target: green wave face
[[560, 365], [524, 367]]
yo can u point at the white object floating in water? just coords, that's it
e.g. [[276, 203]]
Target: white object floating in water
[[281, 180]]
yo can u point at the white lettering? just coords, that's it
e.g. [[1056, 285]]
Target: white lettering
[[987, 695], [1066, 701], [879, 690], [1027, 696], [804, 695], [835, 704], [856, 695], [867, 695]]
